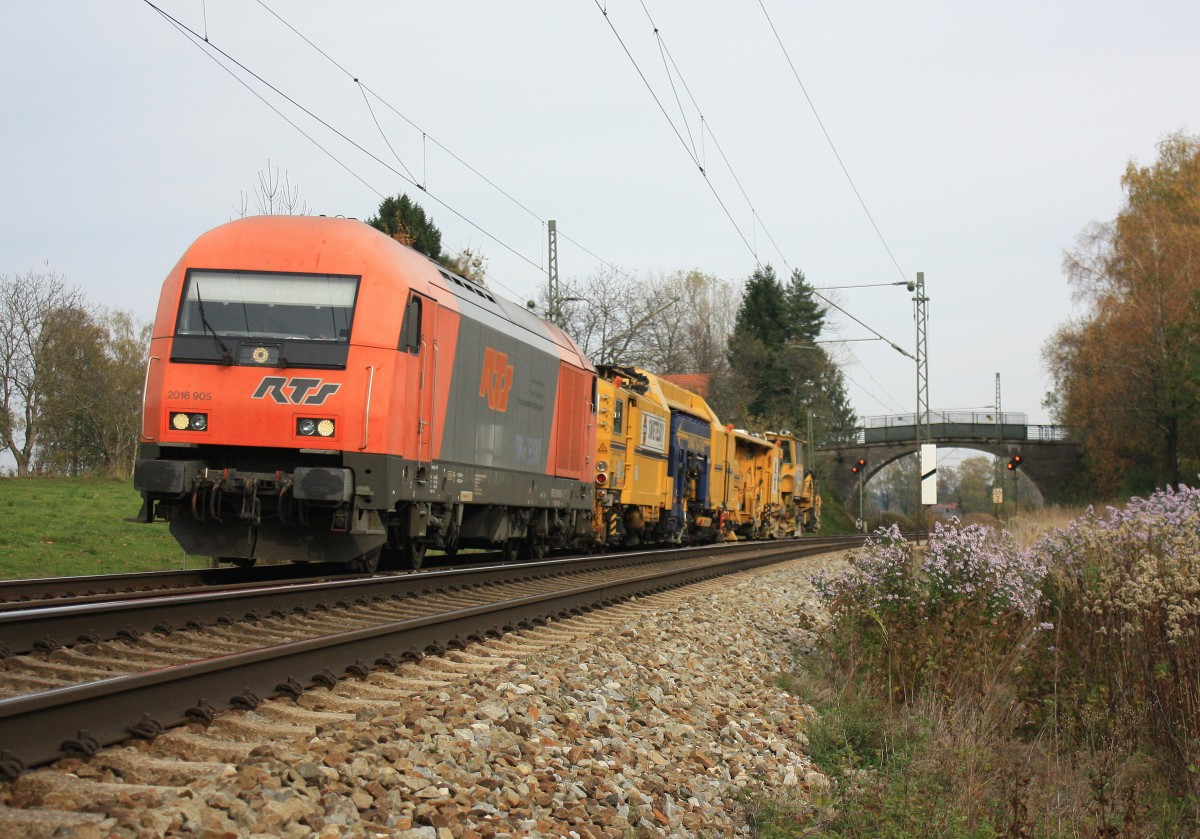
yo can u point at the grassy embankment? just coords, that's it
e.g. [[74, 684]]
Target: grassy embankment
[[62, 527], [982, 688], [66, 527]]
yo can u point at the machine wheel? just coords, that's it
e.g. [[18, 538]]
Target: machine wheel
[[533, 548], [238, 561], [368, 563], [510, 551], [414, 554]]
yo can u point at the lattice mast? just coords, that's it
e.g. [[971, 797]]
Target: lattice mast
[[553, 298], [924, 435]]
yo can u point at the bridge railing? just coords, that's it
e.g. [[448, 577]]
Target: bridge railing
[[1048, 433], [947, 418], [949, 425]]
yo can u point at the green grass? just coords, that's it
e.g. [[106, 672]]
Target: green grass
[[64, 527], [835, 521]]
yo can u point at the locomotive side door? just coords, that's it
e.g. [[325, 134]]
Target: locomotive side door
[[418, 337]]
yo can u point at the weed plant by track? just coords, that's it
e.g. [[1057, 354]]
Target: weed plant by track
[[980, 688]]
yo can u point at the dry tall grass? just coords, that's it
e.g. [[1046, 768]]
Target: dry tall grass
[[1029, 526]]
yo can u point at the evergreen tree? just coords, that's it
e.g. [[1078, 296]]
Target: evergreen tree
[[776, 371], [759, 334], [405, 221], [807, 316]]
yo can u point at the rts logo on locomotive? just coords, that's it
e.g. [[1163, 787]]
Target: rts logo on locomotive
[[497, 379], [302, 391]]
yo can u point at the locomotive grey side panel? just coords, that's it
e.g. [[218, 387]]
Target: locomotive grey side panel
[[500, 411]]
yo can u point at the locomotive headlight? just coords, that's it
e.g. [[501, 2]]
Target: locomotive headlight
[[601, 465], [601, 478], [325, 428], [306, 427], [183, 421]]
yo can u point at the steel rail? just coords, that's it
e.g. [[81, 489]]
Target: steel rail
[[38, 728], [46, 628], [36, 592]]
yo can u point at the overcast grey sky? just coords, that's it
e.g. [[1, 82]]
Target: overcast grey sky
[[983, 138]]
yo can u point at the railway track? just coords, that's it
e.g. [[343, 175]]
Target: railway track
[[32, 593], [159, 662], [96, 588]]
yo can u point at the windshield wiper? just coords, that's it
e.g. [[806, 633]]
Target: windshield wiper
[[226, 356]]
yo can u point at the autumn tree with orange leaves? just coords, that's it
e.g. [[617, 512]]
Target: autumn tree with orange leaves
[[1127, 373]]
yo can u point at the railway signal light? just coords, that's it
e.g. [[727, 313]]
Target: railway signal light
[[860, 465], [1014, 463]]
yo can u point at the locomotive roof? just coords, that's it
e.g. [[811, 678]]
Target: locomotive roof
[[311, 244]]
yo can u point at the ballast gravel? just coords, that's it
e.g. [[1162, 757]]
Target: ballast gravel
[[659, 717]]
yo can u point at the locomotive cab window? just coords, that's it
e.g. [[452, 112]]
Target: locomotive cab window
[[271, 306], [410, 327]]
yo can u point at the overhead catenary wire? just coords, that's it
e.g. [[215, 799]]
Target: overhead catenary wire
[[425, 135], [691, 154], [408, 174], [869, 393], [383, 134], [689, 149], [192, 34], [879, 386], [706, 129], [828, 138]]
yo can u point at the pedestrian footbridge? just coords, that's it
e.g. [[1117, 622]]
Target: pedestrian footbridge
[[1049, 457]]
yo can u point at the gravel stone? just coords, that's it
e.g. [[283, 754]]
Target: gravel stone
[[652, 718]]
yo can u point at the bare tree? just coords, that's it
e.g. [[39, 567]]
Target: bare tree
[[28, 305], [691, 336], [677, 323], [604, 313], [273, 196]]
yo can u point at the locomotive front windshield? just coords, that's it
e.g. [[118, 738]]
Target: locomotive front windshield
[[311, 307]]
